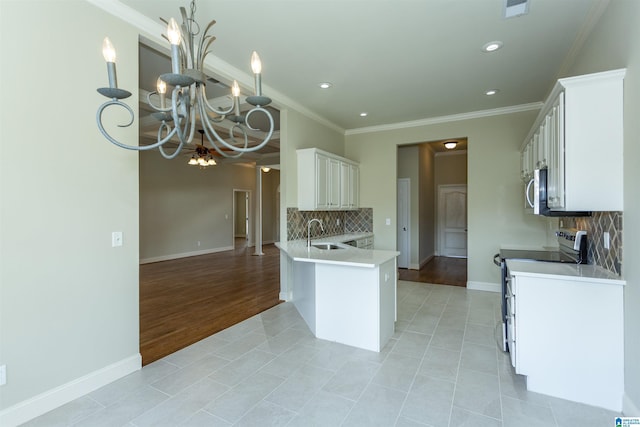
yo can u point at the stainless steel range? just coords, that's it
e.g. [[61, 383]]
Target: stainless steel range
[[572, 248]]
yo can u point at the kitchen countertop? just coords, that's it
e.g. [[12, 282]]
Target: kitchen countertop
[[556, 270], [347, 255]]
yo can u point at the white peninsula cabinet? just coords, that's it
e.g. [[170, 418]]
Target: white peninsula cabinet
[[326, 181], [566, 331], [578, 137], [345, 295]]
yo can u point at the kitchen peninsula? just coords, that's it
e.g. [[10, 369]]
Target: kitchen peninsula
[[344, 294]]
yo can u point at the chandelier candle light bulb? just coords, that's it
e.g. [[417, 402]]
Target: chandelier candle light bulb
[[256, 67], [161, 87], [173, 34], [235, 91], [109, 54]]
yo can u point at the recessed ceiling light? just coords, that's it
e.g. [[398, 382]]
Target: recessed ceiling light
[[325, 85], [491, 92], [492, 46], [363, 114]]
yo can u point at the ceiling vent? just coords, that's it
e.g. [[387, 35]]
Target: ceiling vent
[[513, 8]]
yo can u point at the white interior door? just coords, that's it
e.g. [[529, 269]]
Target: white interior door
[[452, 220], [403, 232]]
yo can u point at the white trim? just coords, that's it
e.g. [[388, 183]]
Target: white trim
[[451, 118], [484, 286], [185, 255], [629, 408], [44, 402], [414, 266], [426, 261], [286, 296]]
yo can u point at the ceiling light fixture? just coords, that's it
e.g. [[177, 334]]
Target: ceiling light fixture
[[202, 157], [363, 114], [450, 145], [265, 169], [325, 85], [491, 92], [188, 100], [492, 46]]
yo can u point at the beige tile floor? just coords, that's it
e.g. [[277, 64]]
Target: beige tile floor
[[442, 368]]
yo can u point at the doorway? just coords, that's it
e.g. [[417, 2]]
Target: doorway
[[241, 218]]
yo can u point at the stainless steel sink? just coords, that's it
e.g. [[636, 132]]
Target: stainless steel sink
[[326, 246]]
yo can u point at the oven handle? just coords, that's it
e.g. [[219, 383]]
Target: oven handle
[[497, 260]]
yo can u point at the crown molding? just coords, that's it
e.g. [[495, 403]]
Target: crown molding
[[445, 119]]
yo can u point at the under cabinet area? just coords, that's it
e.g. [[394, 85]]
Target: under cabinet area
[[566, 331], [327, 181], [578, 137]]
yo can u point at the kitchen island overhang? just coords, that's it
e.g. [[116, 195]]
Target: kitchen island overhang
[[346, 295]]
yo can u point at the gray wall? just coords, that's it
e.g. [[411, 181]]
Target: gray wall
[[68, 300], [495, 210], [181, 205]]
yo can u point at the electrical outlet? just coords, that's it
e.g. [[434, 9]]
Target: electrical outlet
[[3, 374], [388, 221], [607, 240]]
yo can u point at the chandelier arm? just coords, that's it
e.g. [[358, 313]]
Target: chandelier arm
[[164, 125], [163, 110], [202, 96], [116, 142], [178, 118], [213, 136]]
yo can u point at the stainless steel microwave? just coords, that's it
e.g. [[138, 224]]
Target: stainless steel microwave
[[537, 197]]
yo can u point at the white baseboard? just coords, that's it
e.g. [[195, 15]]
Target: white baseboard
[[426, 261], [185, 255], [41, 404], [286, 296], [629, 408], [484, 286]]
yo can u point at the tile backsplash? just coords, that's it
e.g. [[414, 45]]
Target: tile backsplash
[[596, 225], [334, 222]]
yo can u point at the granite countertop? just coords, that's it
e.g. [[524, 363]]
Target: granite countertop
[[346, 255], [556, 270]]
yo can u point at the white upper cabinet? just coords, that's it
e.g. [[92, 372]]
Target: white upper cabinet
[[578, 137], [326, 181]]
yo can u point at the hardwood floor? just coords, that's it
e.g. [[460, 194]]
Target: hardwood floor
[[440, 270], [185, 300]]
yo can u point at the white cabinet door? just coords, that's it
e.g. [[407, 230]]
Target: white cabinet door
[[333, 196], [322, 181], [354, 186]]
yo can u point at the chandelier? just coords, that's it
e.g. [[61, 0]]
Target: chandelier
[[188, 103]]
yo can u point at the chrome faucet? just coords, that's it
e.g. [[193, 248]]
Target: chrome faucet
[[309, 230]]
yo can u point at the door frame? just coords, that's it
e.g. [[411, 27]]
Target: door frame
[[440, 217], [406, 242], [247, 209]]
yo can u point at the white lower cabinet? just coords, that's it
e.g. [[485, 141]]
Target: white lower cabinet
[[567, 337], [348, 304]]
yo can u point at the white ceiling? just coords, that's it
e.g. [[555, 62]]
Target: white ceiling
[[398, 60]]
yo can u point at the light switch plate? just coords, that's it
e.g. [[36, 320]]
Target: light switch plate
[[116, 239]]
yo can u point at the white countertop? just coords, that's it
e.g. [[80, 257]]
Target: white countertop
[[558, 270], [347, 255]]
